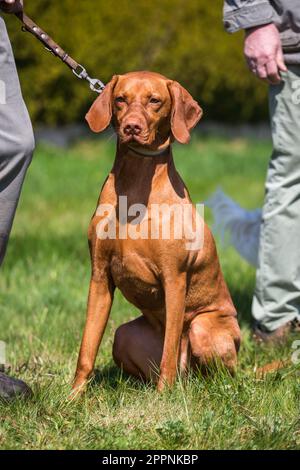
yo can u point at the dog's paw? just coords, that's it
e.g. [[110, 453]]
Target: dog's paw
[[78, 390]]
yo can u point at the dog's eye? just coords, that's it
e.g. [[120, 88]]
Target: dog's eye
[[120, 99], [154, 100]]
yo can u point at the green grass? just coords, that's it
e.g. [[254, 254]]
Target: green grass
[[44, 285]]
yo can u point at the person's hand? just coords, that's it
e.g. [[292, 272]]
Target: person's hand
[[263, 52], [11, 6]]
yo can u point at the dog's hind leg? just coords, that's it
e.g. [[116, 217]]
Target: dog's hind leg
[[214, 337], [137, 349]]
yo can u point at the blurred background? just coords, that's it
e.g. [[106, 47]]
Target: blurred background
[[183, 39]]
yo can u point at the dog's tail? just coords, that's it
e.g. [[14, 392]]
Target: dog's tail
[[242, 227]]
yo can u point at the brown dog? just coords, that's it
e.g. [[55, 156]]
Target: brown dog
[[188, 317]]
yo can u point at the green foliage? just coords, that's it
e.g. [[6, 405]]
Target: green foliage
[[173, 433], [183, 39]]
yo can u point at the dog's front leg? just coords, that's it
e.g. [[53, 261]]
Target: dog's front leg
[[99, 306], [175, 293]]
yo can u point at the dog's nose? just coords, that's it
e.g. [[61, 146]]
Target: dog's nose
[[132, 128]]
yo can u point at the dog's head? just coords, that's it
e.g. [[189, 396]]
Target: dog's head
[[146, 109]]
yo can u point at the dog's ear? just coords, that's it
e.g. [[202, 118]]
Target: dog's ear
[[100, 114], [185, 114]]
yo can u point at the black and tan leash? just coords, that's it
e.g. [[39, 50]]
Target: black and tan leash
[[51, 46]]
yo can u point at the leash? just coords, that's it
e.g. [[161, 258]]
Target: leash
[[51, 46]]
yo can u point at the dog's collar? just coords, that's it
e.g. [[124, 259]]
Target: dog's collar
[[150, 153]]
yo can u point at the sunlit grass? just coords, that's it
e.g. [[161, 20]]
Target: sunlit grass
[[44, 286]]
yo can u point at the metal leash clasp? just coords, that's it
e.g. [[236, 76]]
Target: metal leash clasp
[[95, 84]]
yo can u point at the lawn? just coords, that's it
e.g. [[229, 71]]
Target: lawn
[[44, 284]]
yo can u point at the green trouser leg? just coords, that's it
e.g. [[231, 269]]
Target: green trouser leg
[[277, 294]]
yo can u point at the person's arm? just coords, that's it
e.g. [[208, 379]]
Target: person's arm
[[11, 6], [262, 48]]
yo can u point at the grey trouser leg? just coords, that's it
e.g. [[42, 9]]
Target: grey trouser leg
[[16, 139], [277, 295]]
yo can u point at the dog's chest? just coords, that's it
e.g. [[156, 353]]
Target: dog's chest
[[137, 278]]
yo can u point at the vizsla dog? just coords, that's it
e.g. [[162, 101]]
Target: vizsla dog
[[188, 318]]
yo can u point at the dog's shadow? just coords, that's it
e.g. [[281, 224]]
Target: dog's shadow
[[112, 377]]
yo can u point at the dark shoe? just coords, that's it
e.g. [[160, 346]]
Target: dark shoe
[[11, 388], [279, 336]]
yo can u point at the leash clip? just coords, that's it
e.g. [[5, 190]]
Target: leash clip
[[80, 72], [95, 84]]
